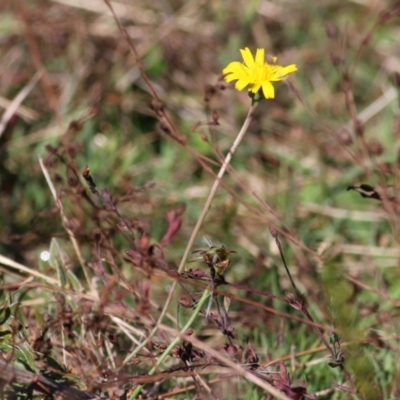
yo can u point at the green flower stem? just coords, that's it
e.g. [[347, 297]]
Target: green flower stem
[[168, 350]]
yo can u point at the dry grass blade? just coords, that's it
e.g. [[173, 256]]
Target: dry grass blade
[[13, 106], [65, 222], [22, 111], [13, 264]]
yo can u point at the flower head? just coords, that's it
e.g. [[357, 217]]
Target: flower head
[[256, 73]]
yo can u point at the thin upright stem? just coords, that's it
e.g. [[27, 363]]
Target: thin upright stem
[[215, 186], [196, 229]]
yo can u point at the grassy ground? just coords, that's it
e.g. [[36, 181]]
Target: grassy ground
[[108, 155]]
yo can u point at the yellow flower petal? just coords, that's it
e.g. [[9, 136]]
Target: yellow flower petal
[[268, 90], [241, 84], [247, 57], [232, 67], [256, 73], [236, 70], [254, 88], [284, 71], [260, 58]]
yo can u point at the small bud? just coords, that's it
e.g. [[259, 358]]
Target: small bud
[[384, 17], [57, 178], [209, 91], [51, 149], [335, 59], [358, 128], [332, 30], [157, 106], [75, 126], [164, 128], [134, 255], [344, 137], [367, 39], [273, 232], [334, 338], [196, 273], [184, 302], [375, 147], [230, 349], [144, 242], [215, 117], [97, 236]]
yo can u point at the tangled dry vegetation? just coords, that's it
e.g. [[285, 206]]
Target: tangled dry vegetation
[[115, 123]]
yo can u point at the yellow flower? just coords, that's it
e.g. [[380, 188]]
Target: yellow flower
[[256, 73]]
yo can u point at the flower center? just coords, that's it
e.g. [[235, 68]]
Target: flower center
[[262, 72]]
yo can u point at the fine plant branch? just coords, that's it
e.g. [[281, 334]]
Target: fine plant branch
[[168, 350], [274, 234], [13, 264], [19, 98], [65, 224], [300, 304], [237, 368], [200, 221], [215, 186]]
